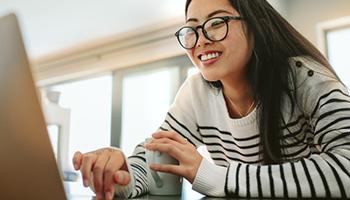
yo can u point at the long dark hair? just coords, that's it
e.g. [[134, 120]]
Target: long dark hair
[[275, 42]]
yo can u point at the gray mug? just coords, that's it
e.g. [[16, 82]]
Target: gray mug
[[160, 183]]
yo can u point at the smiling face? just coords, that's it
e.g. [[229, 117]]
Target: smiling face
[[224, 60]]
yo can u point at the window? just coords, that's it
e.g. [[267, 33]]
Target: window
[[146, 96], [89, 102], [334, 40], [338, 41], [119, 109], [141, 99]]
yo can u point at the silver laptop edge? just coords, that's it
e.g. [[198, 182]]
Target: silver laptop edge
[[28, 168]]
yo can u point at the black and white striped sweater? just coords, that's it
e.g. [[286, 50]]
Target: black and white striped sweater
[[316, 141]]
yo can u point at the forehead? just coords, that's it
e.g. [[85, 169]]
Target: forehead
[[199, 9]]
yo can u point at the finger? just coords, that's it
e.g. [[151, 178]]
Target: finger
[[171, 135], [88, 161], [169, 149], [167, 141], [173, 169], [77, 160], [109, 194], [115, 163], [122, 177], [98, 171]]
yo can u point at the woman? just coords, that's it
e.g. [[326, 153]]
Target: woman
[[267, 105]]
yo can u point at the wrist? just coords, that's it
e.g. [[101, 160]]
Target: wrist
[[119, 151], [194, 170], [210, 179]]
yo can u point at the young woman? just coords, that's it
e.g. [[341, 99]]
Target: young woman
[[272, 113]]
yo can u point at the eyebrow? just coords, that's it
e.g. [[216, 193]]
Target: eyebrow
[[210, 15]]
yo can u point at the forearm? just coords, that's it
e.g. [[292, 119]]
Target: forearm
[[325, 175], [138, 184], [138, 172]]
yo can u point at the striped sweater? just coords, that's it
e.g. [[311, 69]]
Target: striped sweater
[[316, 141]]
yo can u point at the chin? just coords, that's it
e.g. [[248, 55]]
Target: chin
[[212, 73], [210, 77]]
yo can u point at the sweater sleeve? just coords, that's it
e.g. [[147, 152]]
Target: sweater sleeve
[[138, 171], [181, 116], [324, 174], [181, 119]]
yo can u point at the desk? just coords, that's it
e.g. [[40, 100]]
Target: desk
[[76, 191]]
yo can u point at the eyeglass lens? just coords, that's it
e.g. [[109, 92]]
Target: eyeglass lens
[[214, 29]]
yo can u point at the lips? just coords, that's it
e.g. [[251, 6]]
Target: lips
[[209, 55], [208, 58]]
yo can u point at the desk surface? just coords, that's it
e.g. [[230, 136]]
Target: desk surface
[[76, 191]]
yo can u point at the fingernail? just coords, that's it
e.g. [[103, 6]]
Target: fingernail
[[75, 166], [86, 183], [120, 179], [156, 133]]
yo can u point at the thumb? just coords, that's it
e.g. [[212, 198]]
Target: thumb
[[121, 177]]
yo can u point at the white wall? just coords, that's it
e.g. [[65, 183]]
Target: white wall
[[280, 6], [304, 15], [54, 25]]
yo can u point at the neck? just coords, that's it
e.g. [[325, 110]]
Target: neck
[[239, 97], [237, 90]]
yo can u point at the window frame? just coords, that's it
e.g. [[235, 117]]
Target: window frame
[[327, 26], [48, 86], [182, 63]]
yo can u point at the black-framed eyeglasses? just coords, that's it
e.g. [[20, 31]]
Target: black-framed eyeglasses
[[214, 29]]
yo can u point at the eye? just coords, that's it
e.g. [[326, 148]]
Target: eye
[[216, 23], [187, 32]]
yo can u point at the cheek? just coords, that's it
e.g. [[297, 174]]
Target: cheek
[[236, 37], [237, 44]]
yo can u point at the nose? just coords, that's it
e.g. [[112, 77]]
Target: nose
[[202, 40]]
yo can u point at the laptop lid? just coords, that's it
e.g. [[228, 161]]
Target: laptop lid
[[28, 168]]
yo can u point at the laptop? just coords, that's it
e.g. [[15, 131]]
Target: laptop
[[28, 168]]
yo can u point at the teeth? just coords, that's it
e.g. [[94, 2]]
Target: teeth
[[209, 56]]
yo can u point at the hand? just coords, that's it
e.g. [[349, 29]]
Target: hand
[[180, 149], [102, 169]]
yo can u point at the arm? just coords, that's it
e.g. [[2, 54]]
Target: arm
[[325, 174], [180, 120]]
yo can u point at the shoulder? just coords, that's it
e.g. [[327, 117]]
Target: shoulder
[[194, 86], [313, 81], [307, 70], [196, 81], [192, 92]]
